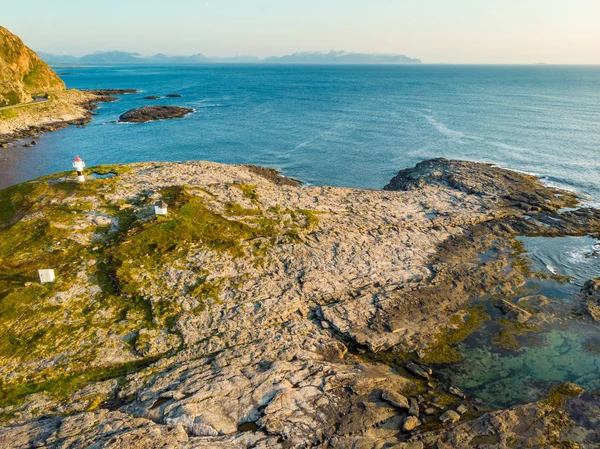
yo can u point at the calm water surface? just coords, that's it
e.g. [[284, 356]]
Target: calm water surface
[[346, 126]]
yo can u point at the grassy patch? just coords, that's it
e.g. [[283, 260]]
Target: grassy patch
[[61, 387], [237, 210], [248, 191], [7, 114]]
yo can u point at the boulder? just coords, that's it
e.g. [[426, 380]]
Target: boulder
[[411, 423], [396, 399], [419, 370], [457, 392], [450, 417], [414, 407], [592, 288], [591, 294]]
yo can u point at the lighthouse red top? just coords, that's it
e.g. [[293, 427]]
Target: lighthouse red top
[[78, 159]]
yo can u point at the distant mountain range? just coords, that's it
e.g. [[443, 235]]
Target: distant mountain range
[[333, 57]]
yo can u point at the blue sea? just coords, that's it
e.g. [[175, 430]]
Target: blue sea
[[353, 126]]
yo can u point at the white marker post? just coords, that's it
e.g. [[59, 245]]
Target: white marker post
[[46, 276], [78, 165]]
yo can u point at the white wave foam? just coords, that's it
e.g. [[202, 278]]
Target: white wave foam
[[440, 127]]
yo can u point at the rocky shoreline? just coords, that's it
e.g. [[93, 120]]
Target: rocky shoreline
[[73, 108], [263, 313]]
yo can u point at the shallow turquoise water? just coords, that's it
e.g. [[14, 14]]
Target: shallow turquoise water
[[351, 126], [568, 351], [503, 378]]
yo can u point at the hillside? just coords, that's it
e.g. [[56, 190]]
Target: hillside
[[259, 313], [333, 57], [22, 73]]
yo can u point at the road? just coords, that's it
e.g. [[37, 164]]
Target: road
[[36, 100]]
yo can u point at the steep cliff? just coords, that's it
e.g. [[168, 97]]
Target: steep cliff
[[22, 72]]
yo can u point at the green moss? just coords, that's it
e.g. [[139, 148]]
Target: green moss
[[442, 351], [237, 210], [106, 169], [61, 387], [506, 339], [8, 114], [248, 190], [509, 330], [311, 219], [560, 393]]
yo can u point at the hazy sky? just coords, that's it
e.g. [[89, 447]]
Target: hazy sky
[[459, 31]]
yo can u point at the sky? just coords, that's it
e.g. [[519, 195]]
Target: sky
[[435, 31]]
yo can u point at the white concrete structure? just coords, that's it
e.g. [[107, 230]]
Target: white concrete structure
[[46, 276], [160, 208], [78, 165]]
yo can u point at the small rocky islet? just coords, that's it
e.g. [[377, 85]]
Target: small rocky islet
[[153, 113], [262, 313]]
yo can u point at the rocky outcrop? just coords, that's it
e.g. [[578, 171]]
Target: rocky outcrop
[[152, 113], [262, 313], [22, 73], [514, 188], [591, 296]]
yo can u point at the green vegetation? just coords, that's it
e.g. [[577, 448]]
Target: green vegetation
[[41, 78], [442, 350], [44, 224], [236, 210], [249, 191], [62, 386], [8, 114]]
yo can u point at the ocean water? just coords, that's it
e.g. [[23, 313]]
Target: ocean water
[[352, 126]]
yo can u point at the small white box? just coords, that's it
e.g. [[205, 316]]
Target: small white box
[[160, 208], [46, 276]]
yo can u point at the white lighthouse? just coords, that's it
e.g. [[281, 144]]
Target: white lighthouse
[[78, 165]]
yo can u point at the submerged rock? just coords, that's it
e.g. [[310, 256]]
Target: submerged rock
[[512, 312], [152, 113]]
